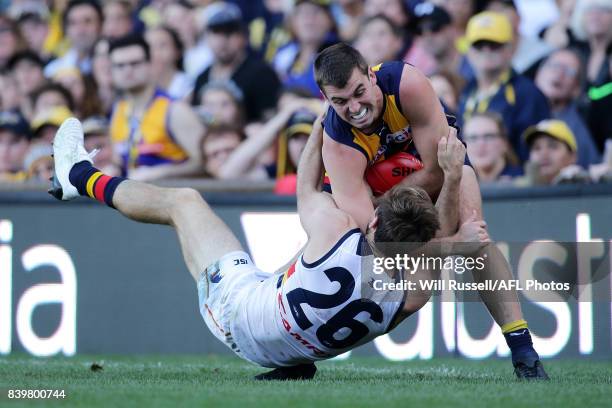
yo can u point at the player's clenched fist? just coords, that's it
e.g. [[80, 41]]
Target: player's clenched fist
[[451, 153]]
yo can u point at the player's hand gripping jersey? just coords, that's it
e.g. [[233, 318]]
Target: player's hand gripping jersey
[[311, 312]]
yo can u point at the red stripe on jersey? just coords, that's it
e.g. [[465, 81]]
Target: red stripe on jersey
[[291, 270]]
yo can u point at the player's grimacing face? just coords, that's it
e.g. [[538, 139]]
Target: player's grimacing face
[[357, 102]]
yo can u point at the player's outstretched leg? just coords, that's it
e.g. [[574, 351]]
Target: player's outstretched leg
[[203, 236], [504, 307]]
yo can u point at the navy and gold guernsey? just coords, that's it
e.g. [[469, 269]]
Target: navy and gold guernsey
[[394, 133]]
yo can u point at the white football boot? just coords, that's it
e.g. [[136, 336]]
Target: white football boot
[[68, 150]]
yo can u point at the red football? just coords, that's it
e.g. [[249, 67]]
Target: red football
[[387, 173]]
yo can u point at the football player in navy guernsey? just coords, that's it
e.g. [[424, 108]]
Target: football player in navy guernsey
[[318, 307], [378, 111]]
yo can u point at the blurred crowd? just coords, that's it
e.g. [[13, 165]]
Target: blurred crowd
[[225, 90]]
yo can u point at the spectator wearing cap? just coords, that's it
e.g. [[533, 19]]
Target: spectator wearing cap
[[46, 123], [497, 87], [118, 20], [156, 136], [552, 154], [227, 38], [82, 23], [221, 102], [489, 149], [528, 51], [96, 133], [27, 68], [437, 38], [313, 28], [14, 142], [167, 62], [379, 40], [559, 77]]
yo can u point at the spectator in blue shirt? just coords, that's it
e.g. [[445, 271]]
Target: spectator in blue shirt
[[497, 87]]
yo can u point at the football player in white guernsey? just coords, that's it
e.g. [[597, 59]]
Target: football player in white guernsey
[[317, 308]]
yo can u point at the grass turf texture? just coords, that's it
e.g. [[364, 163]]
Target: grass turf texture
[[172, 381]]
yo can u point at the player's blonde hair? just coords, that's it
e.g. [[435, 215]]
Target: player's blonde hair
[[406, 214]]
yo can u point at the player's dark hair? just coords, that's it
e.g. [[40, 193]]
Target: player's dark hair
[[128, 41], [334, 65], [406, 214]]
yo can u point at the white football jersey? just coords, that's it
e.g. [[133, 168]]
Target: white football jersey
[[314, 311]]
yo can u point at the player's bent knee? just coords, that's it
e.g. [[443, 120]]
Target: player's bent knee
[[187, 196], [183, 201]]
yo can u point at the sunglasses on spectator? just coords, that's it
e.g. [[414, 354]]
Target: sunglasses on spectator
[[131, 64], [485, 137], [567, 71], [493, 46]]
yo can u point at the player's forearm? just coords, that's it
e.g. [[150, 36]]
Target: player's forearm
[[447, 205], [310, 168]]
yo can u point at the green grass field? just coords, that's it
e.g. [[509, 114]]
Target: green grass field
[[211, 381]]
